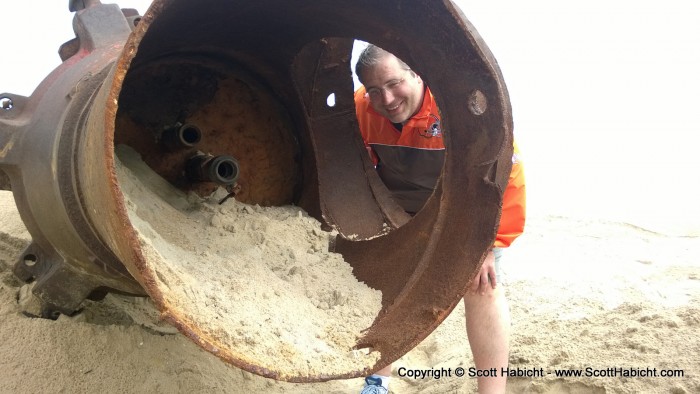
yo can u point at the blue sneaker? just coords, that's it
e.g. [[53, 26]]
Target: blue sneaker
[[373, 385]]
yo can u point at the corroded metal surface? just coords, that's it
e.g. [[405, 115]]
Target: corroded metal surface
[[275, 62], [236, 115], [41, 143]]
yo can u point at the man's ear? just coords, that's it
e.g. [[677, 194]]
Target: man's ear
[[417, 77]]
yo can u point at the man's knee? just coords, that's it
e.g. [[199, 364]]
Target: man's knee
[[490, 303], [488, 296]]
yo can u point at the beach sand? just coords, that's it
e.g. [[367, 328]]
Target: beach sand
[[587, 295]]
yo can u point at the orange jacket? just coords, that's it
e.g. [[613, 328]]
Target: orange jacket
[[420, 140]]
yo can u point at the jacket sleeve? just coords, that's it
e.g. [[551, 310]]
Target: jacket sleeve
[[512, 221]]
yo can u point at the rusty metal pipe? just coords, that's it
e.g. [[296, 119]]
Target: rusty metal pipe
[[181, 136], [222, 170], [282, 59]]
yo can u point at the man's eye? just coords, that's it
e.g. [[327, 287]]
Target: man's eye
[[392, 84]]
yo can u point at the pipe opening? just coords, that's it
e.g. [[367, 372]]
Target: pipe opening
[[222, 170], [190, 135], [410, 185], [30, 260], [227, 171], [6, 103], [258, 261], [180, 137], [330, 100]]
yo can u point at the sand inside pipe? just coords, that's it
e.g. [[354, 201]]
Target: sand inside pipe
[[259, 279]]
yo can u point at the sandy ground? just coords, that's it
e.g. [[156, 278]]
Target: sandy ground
[[583, 294]]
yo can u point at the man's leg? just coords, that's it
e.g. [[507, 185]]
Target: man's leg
[[488, 330], [386, 371]]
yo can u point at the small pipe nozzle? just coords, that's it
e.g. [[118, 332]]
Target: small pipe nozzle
[[181, 137], [223, 169]]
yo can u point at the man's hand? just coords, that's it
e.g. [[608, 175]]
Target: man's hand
[[485, 280]]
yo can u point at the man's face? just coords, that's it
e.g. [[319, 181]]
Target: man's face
[[394, 92]]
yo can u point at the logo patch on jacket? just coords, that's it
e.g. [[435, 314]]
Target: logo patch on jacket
[[434, 130]]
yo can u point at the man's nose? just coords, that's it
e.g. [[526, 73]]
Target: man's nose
[[387, 96]]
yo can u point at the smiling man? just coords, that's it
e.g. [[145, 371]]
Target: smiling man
[[400, 123]]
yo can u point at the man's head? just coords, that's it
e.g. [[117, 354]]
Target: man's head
[[394, 90]]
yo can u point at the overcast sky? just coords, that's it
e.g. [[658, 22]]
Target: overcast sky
[[604, 94]]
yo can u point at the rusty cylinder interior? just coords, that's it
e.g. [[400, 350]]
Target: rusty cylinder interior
[[236, 93], [223, 112]]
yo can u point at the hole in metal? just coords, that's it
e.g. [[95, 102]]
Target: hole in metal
[[30, 260], [6, 103], [330, 100]]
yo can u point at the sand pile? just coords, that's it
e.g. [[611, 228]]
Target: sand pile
[[259, 279], [583, 294]]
